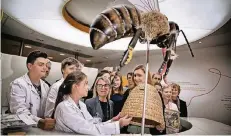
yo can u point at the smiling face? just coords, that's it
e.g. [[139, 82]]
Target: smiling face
[[139, 76], [116, 82], [167, 93], [175, 91], [102, 88]]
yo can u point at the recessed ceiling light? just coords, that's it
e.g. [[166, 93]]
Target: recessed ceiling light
[[88, 60], [50, 57], [61, 54], [200, 42], [27, 46]]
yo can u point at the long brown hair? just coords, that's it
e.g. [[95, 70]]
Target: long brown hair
[[120, 90], [66, 86], [143, 69]]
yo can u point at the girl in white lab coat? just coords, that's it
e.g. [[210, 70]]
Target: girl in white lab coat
[[71, 114]]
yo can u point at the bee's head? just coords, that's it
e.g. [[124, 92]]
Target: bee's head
[[161, 41]]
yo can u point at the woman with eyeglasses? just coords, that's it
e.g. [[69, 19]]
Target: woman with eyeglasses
[[71, 113], [117, 93], [103, 73], [100, 105]]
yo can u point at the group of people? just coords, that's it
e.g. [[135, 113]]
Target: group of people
[[77, 109]]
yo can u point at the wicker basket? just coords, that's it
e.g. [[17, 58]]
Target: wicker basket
[[134, 107]]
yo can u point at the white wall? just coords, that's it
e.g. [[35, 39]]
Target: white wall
[[194, 77], [13, 67]]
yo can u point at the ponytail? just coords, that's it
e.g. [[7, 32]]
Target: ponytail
[[66, 87], [59, 97]]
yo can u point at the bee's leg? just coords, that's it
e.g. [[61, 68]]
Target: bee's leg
[[129, 52], [166, 58], [169, 63]]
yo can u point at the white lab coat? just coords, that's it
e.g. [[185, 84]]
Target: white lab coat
[[51, 98], [24, 98], [69, 118]]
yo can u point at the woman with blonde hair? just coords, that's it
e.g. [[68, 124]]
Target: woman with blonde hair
[[103, 73], [100, 105]]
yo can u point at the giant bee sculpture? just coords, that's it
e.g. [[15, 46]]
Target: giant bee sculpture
[[127, 21]]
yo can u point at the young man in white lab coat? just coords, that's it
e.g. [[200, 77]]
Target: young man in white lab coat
[[28, 93], [68, 66]]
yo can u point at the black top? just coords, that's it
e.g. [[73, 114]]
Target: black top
[[106, 109], [126, 94], [183, 109], [118, 103]]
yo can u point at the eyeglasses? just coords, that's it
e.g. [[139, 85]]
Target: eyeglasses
[[101, 86]]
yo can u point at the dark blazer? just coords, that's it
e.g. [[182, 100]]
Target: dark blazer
[[94, 107], [183, 109]]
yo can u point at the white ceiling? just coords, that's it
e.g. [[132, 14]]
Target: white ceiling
[[198, 18], [191, 15]]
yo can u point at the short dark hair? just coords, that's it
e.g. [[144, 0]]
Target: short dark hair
[[31, 58], [70, 61]]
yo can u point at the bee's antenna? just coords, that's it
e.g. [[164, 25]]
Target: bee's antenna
[[187, 43]]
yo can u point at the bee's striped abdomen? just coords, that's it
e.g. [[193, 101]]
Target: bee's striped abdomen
[[113, 24]]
